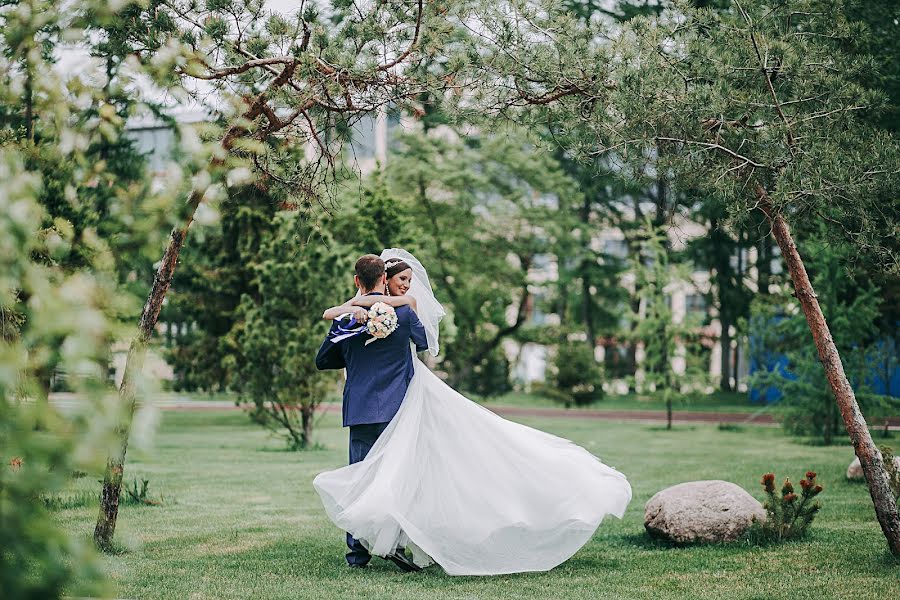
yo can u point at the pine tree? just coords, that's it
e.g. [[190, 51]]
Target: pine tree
[[278, 326], [218, 271]]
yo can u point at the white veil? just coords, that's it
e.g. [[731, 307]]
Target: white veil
[[430, 311]]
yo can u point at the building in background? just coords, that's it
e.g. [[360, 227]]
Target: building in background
[[370, 148]]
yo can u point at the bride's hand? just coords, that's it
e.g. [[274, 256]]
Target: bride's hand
[[367, 301], [351, 306], [335, 311]]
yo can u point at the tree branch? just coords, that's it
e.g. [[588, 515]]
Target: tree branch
[[718, 147], [412, 44]]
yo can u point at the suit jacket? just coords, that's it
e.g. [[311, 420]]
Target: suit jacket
[[378, 375]]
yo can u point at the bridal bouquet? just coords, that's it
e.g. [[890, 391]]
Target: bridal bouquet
[[382, 321]]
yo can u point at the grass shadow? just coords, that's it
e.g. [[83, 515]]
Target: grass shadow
[[675, 428], [731, 427], [317, 447], [645, 541]]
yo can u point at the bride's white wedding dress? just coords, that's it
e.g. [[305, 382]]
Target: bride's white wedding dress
[[462, 487]]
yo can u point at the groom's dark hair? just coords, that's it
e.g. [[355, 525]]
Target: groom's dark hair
[[369, 269]]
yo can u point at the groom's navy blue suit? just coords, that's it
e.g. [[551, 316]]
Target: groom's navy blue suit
[[377, 378]]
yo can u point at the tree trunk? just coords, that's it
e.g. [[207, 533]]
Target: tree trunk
[[134, 364], [480, 355], [29, 99], [668, 411], [306, 420], [869, 456], [764, 265], [725, 344], [665, 362], [587, 309], [722, 282], [587, 303], [662, 213], [115, 464], [44, 377]]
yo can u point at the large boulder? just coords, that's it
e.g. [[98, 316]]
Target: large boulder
[[701, 511], [854, 471]]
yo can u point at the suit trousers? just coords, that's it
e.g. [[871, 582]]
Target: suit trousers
[[362, 438]]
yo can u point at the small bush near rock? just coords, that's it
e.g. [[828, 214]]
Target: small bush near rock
[[788, 515]]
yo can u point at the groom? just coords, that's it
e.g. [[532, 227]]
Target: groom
[[378, 375]]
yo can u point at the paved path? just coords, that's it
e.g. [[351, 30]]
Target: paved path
[[182, 403]]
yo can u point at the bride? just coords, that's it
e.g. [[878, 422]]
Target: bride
[[458, 485]]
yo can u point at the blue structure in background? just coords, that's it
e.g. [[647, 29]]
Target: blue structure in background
[[879, 380], [773, 362], [887, 383]]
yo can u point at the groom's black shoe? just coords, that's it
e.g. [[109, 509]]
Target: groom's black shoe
[[399, 559]]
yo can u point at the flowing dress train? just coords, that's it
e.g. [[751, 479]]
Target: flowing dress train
[[477, 494]]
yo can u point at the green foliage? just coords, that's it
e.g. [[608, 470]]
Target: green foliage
[[62, 323], [757, 99], [483, 212], [217, 270], [880, 40], [720, 252], [851, 307], [575, 377], [76, 215], [221, 265], [662, 337], [588, 294], [490, 378], [374, 220], [325, 69], [138, 494], [279, 328], [786, 517], [804, 142], [65, 500]]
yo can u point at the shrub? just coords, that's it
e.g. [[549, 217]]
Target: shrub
[[575, 378], [279, 328], [789, 515], [490, 377]]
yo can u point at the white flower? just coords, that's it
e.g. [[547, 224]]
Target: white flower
[[382, 320]]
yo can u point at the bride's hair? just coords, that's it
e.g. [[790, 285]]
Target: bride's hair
[[392, 266]]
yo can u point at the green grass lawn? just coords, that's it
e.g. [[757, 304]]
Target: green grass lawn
[[243, 521]]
